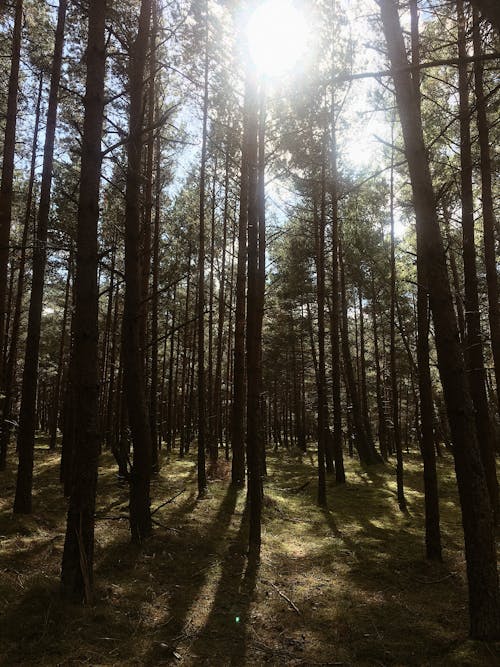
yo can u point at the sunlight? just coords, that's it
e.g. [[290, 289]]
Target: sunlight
[[277, 35]]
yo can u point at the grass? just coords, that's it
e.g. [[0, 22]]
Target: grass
[[348, 585]]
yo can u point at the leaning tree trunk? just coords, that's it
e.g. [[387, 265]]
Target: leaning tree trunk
[[477, 516], [78, 556], [133, 358]]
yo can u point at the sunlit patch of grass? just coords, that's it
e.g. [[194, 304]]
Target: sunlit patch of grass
[[347, 584]]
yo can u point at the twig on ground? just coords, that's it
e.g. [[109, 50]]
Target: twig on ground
[[162, 525], [167, 502], [285, 597], [436, 581]]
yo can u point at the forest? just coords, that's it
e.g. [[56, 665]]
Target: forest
[[249, 332]]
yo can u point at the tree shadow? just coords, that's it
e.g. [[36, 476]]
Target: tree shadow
[[184, 576], [229, 622]]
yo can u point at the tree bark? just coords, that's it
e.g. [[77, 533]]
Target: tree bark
[[477, 517], [27, 414], [474, 358], [5, 425], [78, 556], [488, 208], [133, 357]]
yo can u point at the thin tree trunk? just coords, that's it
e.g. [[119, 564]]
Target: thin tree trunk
[[319, 230], [60, 361], [253, 326], [27, 426], [133, 357], [202, 425], [6, 183], [394, 378], [488, 209], [10, 373]]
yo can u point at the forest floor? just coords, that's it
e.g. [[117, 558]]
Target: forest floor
[[343, 586]]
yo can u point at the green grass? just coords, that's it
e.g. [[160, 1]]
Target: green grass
[[356, 573]]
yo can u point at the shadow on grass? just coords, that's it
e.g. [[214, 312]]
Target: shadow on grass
[[228, 624]]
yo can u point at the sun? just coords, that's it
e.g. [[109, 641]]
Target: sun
[[277, 36]]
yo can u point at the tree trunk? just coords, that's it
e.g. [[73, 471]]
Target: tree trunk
[[202, 425], [488, 209], [396, 429], [432, 520], [133, 357], [474, 358], [10, 370], [78, 556], [27, 426], [6, 183], [477, 516]]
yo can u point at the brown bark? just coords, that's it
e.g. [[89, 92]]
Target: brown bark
[[474, 358], [396, 428], [6, 183], [27, 425], [488, 209], [319, 232], [78, 556], [253, 327], [477, 517], [202, 475], [427, 445], [5, 426], [133, 357]]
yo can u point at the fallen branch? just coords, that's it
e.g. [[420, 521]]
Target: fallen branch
[[167, 502], [436, 581], [285, 597], [112, 518], [162, 525]]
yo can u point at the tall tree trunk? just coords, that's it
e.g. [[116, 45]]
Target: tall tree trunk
[[153, 392], [432, 528], [221, 303], [382, 427], [253, 327], [78, 556], [488, 208], [367, 453], [319, 232], [238, 407], [5, 425], [6, 183], [133, 357], [202, 425], [477, 516], [474, 358], [27, 426], [60, 360], [396, 428]]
